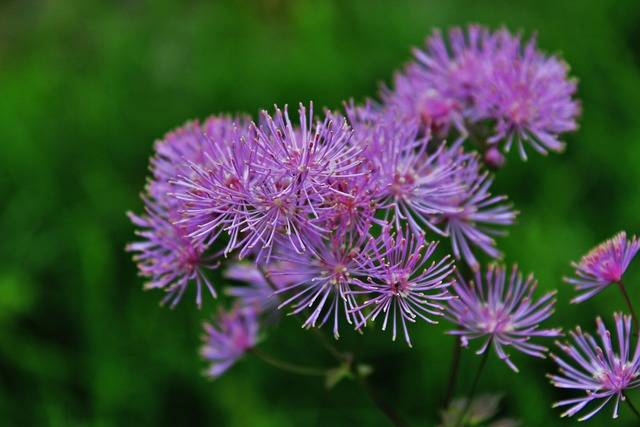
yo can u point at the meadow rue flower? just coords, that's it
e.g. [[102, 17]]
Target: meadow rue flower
[[438, 87], [490, 85], [273, 180], [473, 213], [412, 182], [168, 257], [325, 278], [400, 286], [603, 265], [228, 338], [602, 370], [501, 311], [256, 290]]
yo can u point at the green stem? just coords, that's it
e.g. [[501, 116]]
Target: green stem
[[628, 301], [384, 407], [633, 408], [382, 404], [453, 374], [474, 385], [285, 366]]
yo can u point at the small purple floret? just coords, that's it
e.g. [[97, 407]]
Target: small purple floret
[[600, 369], [501, 311], [604, 265], [228, 338]]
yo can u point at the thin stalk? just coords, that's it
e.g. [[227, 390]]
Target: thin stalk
[[382, 404], [453, 374], [384, 407], [628, 301], [474, 385], [633, 408], [285, 366]]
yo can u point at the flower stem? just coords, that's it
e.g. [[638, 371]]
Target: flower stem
[[382, 404], [633, 408], [628, 301], [474, 385], [285, 366], [384, 407], [453, 374]]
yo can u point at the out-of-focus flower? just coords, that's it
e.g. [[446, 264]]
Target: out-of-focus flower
[[399, 285], [501, 311], [167, 254], [168, 257], [604, 265], [529, 95], [515, 92], [602, 371], [230, 335]]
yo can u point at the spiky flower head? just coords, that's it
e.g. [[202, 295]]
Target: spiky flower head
[[500, 310], [168, 258], [228, 338], [474, 215], [273, 179], [490, 81], [399, 283], [166, 254], [603, 265], [529, 95], [603, 371], [324, 279]]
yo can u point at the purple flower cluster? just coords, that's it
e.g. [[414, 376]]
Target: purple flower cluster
[[335, 216], [492, 83]]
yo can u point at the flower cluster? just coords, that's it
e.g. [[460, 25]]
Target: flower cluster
[[336, 217], [491, 81]]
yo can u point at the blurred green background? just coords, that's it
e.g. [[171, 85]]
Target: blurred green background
[[85, 89]]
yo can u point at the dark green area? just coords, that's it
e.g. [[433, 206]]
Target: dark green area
[[85, 89]]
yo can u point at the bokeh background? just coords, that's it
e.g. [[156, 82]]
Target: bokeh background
[[85, 89]]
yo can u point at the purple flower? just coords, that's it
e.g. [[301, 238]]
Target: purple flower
[[473, 213], [439, 87], [273, 180], [168, 257], [411, 183], [604, 265], [602, 371], [398, 283], [483, 78], [228, 338], [502, 314], [256, 291], [529, 95], [325, 275]]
